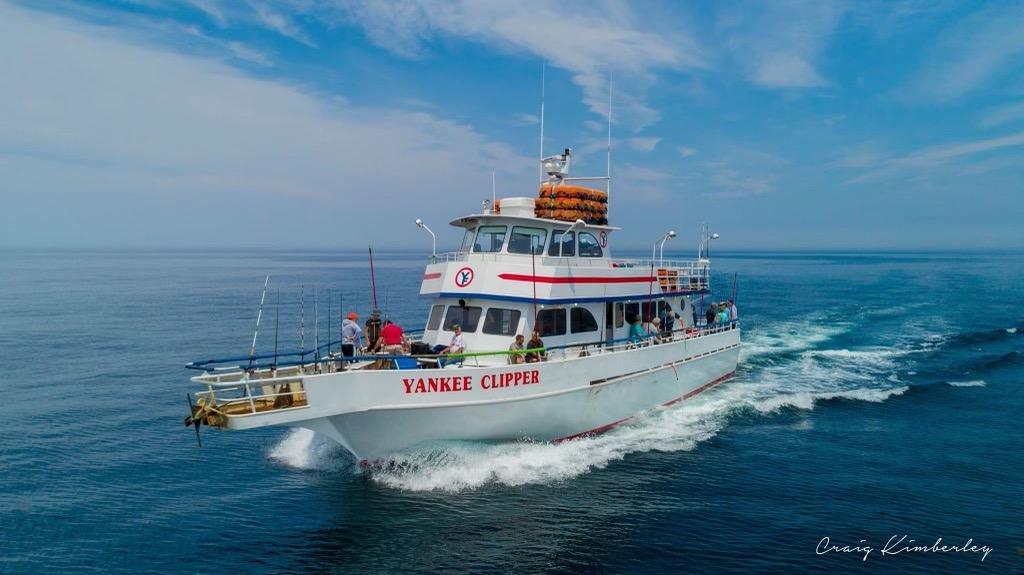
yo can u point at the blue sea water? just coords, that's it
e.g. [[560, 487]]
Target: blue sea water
[[878, 394]]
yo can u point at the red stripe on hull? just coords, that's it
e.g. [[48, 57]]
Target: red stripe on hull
[[433, 276], [577, 279], [610, 426]]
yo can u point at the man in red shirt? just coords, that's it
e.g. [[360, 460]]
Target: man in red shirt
[[391, 338]]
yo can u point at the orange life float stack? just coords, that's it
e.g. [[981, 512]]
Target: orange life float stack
[[569, 203]]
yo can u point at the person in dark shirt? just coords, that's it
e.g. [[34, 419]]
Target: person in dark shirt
[[536, 343], [710, 314], [373, 327]]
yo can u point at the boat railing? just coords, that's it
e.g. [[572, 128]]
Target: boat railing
[[256, 376]]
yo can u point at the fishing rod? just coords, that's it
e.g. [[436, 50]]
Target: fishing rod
[[373, 280], [259, 316], [302, 321], [277, 323], [329, 332], [316, 325]]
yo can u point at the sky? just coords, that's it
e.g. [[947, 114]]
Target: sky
[[334, 124]]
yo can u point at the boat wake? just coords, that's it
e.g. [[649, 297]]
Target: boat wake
[[779, 374]]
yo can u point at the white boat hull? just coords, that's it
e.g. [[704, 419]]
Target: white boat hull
[[377, 412]]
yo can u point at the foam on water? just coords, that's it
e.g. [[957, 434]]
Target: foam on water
[[971, 383], [303, 449]]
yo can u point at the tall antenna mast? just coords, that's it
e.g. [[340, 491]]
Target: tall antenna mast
[[609, 188], [494, 192], [540, 165]]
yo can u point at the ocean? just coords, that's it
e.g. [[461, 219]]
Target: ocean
[[879, 395]]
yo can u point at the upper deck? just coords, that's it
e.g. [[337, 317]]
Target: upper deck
[[525, 258]]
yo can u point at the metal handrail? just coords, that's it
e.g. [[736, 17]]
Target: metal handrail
[[604, 345]]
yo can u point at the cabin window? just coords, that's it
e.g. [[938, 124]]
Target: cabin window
[[581, 320], [527, 240], [647, 311], [467, 240], [567, 241], [551, 322], [620, 314], [632, 310], [467, 317], [489, 239], [589, 248], [434, 321], [500, 321]]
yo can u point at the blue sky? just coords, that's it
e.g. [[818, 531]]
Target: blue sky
[[334, 124]]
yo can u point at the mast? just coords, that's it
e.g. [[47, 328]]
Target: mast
[[609, 150], [540, 169]]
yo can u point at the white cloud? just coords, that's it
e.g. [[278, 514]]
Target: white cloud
[[778, 44], [281, 23], [243, 52], [937, 157], [644, 145], [686, 152], [976, 51], [116, 142], [588, 39], [1003, 115], [212, 10]]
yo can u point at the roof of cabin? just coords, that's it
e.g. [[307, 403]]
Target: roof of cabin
[[471, 219]]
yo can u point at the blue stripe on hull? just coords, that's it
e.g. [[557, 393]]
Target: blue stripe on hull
[[495, 297]]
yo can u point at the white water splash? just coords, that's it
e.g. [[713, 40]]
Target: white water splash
[[303, 449], [1011, 330], [972, 383]]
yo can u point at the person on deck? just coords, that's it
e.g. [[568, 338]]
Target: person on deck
[[668, 318], [457, 345], [350, 332], [711, 314], [516, 356], [723, 314], [391, 338], [373, 327], [733, 313], [536, 343], [637, 334]]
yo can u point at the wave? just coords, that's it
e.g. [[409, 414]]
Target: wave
[[972, 383], [303, 449]]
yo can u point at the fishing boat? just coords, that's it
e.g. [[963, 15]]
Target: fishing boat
[[526, 264]]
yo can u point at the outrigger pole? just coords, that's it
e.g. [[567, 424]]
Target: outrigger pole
[[540, 167], [277, 324], [373, 279], [302, 323], [259, 316]]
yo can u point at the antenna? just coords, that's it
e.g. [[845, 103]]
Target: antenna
[[609, 188], [543, 73]]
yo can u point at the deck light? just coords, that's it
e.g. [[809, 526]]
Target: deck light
[[561, 240], [433, 250], [661, 245]]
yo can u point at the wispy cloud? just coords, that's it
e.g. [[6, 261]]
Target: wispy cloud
[[644, 145], [281, 23], [212, 10], [686, 151], [779, 44], [598, 38], [977, 50], [1005, 114], [937, 157], [243, 52], [124, 128]]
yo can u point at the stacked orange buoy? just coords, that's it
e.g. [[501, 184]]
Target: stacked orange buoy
[[569, 203]]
